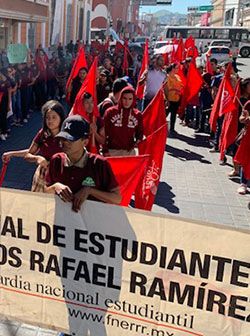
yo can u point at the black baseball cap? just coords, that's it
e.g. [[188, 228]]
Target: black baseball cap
[[74, 128]]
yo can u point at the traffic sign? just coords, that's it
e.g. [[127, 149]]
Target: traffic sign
[[208, 8]]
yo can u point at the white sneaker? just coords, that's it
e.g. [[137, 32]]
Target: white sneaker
[[25, 121], [2, 137], [242, 190]]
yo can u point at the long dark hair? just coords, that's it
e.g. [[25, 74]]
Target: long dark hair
[[55, 106]]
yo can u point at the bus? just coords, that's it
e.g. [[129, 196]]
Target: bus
[[239, 36]]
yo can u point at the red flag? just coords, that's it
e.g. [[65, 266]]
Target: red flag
[[1, 96], [209, 66], [144, 66], [192, 52], [217, 102], [80, 62], [227, 97], [174, 40], [230, 125], [89, 85], [179, 54], [154, 116], [106, 46], [193, 85], [182, 75], [128, 172], [189, 43], [125, 62], [166, 58], [118, 47], [147, 188], [242, 155], [172, 55]]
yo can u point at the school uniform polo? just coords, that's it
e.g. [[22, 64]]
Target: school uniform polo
[[48, 145], [90, 171]]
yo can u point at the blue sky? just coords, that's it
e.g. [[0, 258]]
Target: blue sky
[[177, 6]]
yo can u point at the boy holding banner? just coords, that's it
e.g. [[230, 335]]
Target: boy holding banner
[[76, 175]]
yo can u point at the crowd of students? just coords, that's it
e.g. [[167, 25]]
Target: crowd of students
[[40, 84]]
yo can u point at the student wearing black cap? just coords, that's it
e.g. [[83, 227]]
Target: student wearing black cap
[[76, 175], [118, 85]]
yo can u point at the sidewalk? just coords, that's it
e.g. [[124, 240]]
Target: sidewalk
[[193, 185]]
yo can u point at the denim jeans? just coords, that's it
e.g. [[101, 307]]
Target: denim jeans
[[218, 131]]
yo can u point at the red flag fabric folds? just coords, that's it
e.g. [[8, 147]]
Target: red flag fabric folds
[[208, 66], [217, 102], [118, 47], [1, 96], [125, 62], [230, 125], [154, 116], [89, 85], [128, 172], [179, 54], [147, 187], [189, 43], [227, 97], [193, 84], [242, 156], [144, 66], [80, 62]]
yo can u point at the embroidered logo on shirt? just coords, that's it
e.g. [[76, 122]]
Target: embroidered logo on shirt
[[88, 182]]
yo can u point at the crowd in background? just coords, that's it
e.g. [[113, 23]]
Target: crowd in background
[[26, 87]]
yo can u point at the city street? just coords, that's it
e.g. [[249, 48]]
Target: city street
[[193, 185]]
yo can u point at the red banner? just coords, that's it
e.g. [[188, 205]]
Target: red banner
[[147, 188], [128, 172]]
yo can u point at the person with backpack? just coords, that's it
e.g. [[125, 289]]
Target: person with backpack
[[113, 98]]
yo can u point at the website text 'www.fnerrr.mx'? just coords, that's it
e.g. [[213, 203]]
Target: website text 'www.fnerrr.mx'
[[111, 320]]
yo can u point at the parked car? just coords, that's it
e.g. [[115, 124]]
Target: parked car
[[165, 49], [221, 53], [225, 43], [159, 44]]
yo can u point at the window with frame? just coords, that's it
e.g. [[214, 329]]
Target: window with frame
[[221, 33], [206, 34], [194, 32]]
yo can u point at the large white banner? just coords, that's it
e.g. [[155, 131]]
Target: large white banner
[[111, 271]]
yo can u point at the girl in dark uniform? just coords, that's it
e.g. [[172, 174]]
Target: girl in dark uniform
[[44, 145]]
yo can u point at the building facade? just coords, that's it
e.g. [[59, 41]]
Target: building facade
[[49, 22], [24, 21], [246, 16], [217, 14], [70, 20], [232, 12]]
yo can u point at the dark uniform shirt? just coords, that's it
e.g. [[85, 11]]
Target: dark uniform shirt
[[91, 171]]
